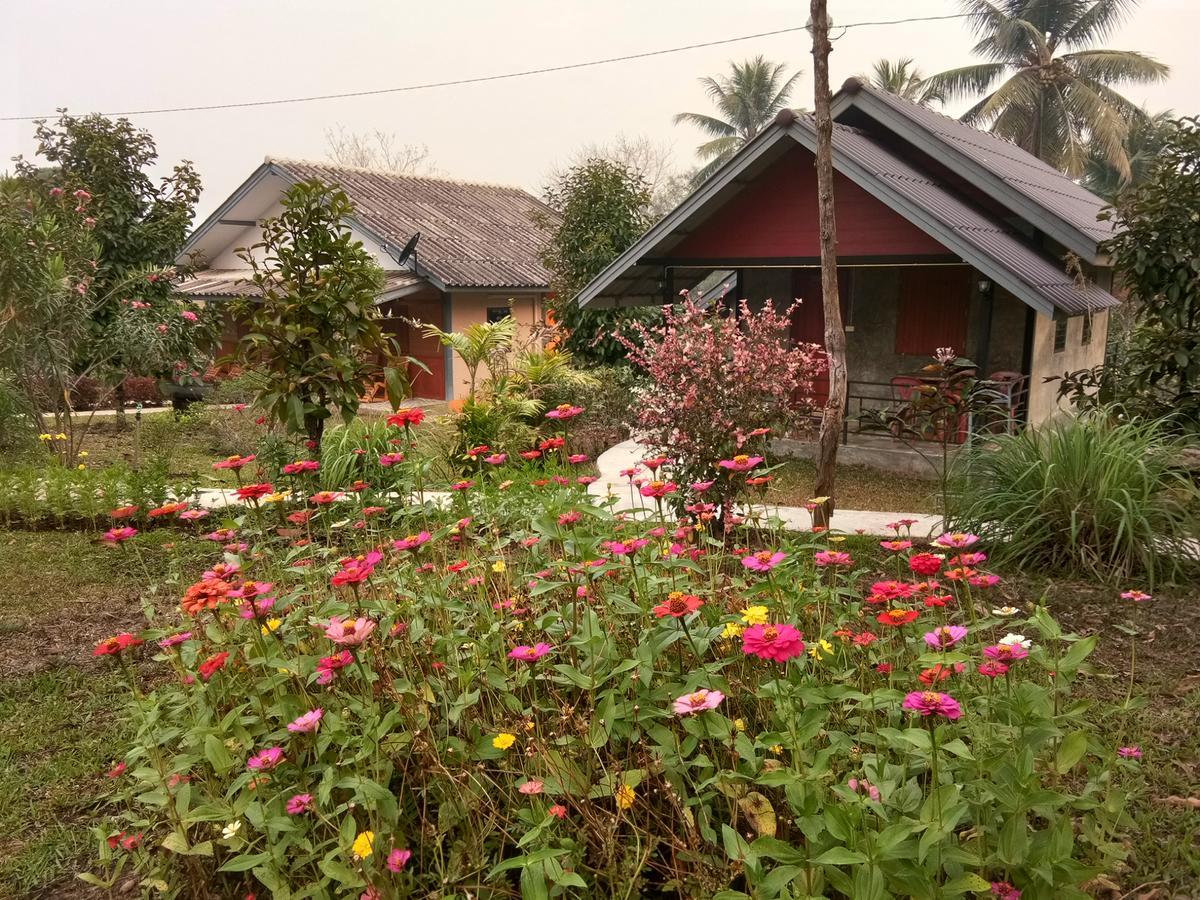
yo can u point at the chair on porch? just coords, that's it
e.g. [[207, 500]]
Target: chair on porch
[[1008, 390]]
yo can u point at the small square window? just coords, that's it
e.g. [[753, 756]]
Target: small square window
[[1060, 334], [1085, 336], [496, 313]]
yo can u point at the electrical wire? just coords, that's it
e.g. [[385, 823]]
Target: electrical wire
[[502, 76]]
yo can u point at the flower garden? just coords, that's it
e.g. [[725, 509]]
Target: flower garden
[[511, 689]]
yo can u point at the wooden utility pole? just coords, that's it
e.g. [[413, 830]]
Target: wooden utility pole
[[835, 334]]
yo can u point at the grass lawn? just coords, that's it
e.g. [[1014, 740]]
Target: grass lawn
[[60, 710], [61, 725], [858, 487]]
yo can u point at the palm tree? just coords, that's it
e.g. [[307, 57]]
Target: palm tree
[[1046, 88], [747, 99], [903, 79], [1142, 145]]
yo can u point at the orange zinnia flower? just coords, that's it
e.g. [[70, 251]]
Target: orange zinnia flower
[[204, 595]]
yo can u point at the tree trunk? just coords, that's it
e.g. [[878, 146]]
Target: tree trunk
[[835, 336]]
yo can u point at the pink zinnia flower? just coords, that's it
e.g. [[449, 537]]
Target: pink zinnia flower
[[118, 535], [300, 803], [895, 546], [328, 666], [529, 654], [564, 411], [301, 466], [349, 632], [697, 702], [1130, 752], [496, 459], [832, 558], [740, 463], [777, 642], [175, 640], [992, 669], [307, 723], [957, 540], [701, 486], [932, 703], [558, 811], [398, 859], [1136, 596], [265, 760], [532, 787], [945, 636], [1006, 653], [658, 489], [1002, 890], [390, 459], [323, 498], [763, 561], [413, 541]]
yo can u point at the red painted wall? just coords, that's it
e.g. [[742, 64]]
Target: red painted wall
[[776, 216]]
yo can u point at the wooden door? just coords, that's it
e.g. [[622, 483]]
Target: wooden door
[[808, 322]]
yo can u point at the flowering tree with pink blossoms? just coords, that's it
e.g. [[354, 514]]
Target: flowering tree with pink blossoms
[[717, 374]]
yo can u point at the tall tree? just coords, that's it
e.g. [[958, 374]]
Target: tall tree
[[835, 335], [650, 159], [1143, 145], [601, 208], [1046, 87], [747, 99], [377, 150], [902, 78], [316, 322]]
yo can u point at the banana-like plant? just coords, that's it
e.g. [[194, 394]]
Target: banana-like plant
[[483, 342]]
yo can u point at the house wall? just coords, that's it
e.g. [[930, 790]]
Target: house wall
[[775, 217], [1044, 362], [873, 315], [470, 307]]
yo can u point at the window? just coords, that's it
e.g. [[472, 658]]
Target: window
[[1085, 336], [932, 311], [1060, 333], [496, 313]]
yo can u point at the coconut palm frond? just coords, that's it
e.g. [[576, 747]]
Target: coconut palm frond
[[1114, 66]]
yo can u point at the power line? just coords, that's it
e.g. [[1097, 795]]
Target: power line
[[480, 79]]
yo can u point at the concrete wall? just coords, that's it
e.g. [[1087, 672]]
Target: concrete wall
[[1044, 362], [469, 308]]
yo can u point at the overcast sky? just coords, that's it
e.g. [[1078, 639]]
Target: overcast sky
[[136, 54]]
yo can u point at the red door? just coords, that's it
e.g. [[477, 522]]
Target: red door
[[808, 322]]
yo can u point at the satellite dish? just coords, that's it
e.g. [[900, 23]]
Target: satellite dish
[[409, 249]]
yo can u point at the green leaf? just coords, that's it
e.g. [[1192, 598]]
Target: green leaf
[[527, 860], [216, 754], [1014, 840], [969, 883], [1070, 751], [1079, 651], [245, 862], [839, 856]]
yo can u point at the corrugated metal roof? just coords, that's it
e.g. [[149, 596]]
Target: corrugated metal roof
[[1004, 249], [1022, 171], [472, 234], [236, 283]]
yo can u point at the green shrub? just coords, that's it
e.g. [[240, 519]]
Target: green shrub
[[1087, 495]]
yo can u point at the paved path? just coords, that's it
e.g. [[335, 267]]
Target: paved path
[[850, 521]]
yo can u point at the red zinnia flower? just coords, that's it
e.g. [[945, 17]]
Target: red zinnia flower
[[114, 645], [897, 617], [925, 564], [255, 491], [212, 665], [678, 604]]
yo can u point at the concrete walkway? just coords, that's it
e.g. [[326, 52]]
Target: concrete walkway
[[629, 454]]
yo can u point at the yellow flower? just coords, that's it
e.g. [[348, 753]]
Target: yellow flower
[[83, 454], [277, 497], [777, 749], [60, 437], [820, 649], [272, 625], [45, 437], [732, 630], [364, 844], [530, 725], [755, 615], [818, 500], [625, 796], [505, 485], [836, 538], [498, 566], [739, 724], [503, 740], [82, 466]]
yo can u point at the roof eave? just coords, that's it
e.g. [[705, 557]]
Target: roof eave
[[1033, 212]]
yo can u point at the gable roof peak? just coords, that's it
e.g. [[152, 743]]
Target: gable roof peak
[[286, 161]]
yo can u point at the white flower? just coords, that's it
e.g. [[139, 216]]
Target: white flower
[[231, 829], [1014, 639], [1005, 611]]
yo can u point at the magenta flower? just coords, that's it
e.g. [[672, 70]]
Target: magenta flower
[[265, 760], [992, 669], [945, 636], [1136, 596], [496, 459], [1130, 752], [1006, 653], [697, 702], [307, 723], [349, 632], [956, 540], [118, 535], [658, 489], [388, 460], [175, 640], [413, 541], [701, 486], [398, 859], [740, 463], [300, 803], [932, 703], [193, 515], [832, 558], [329, 666], [564, 411], [777, 642], [529, 654], [763, 561], [532, 787]]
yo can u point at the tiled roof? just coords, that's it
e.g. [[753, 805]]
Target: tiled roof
[[990, 238], [472, 234], [235, 283], [1021, 171]]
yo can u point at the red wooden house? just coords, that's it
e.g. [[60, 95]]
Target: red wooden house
[[946, 237]]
